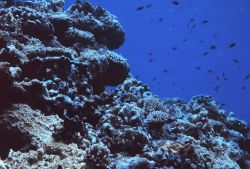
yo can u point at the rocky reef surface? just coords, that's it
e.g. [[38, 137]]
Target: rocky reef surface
[[68, 101]]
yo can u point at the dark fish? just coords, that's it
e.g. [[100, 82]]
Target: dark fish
[[149, 5], [137, 76], [201, 41], [205, 21], [236, 61], [210, 71], [140, 8], [232, 45], [184, 40], [150, 54], [193, 26], [223, 74], [154, 79], [205, 53], [174, 48], [217, 78], [182, 88], [150, 60], [247, 77], [217, 88], [175, 2], [165, 71], [243, 87], [198, 68], [161, 19], [173, 83], [225, 78], [191, 20], [223, 104], [213, 47]]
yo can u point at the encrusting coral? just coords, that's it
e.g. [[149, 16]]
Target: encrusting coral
[[56, 110]]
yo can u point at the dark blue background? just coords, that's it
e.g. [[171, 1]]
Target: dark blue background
[[228, 22]]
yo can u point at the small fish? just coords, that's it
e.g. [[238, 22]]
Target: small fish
[[137, 76], [247, 77], [191, 20], [149, 5], [184, 40], [174, 48], [223, 74], [232, 45], [217, 78], [175, 2], [161, 19], [201, 41], [165, 71], [217, 88], [193, 26], [140, 8], [236, 61], [154, 79], [223, 104], [243, 88], [198, 68], [182, 88], [205, 53], [225, 78], [150, 54], [205, 21], [150, 60], [173, 84], [213, 47], [210, 71]]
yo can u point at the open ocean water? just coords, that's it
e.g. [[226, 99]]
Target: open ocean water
[[186, 48]]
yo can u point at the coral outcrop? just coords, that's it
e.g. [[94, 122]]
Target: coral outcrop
[[68, 101]]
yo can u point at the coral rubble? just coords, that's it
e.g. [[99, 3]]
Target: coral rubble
[[56, 109]]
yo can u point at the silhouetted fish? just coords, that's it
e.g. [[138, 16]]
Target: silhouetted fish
[[150, 60], [154, 79], [140, 8], [247, 77], [198, 68], [232, 45], [205, 53], [165, 71], [217, 88], [243, 87], [175, 2], [174, 48], [161, 19], [213, 47], [205, 21], [210, 71], [137, 76], [236, 61], [149, 5], [191, 20], [223, 104], [217, 78], [223, 74]]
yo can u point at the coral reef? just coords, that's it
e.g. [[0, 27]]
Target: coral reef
[[56, 109]]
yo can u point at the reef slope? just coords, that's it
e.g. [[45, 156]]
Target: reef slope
[[57, 109]]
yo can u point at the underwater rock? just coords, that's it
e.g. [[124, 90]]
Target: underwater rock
[[67, 101]]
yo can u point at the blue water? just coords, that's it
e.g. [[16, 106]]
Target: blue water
[[166, 55]]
